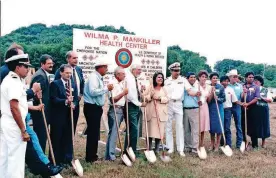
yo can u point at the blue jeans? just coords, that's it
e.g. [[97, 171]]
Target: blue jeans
[[236, 112], [112, 134], [35, 143], [227, 125]]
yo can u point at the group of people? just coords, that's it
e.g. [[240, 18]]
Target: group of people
[[188, 100]]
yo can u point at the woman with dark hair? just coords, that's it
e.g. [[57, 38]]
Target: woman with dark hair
[[204, 109], [250, 95], [215, 128], [262, 111], [156, 93]]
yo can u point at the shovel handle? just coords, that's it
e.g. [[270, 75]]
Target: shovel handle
[[48, 135], [158, 119], [199, 126], [127, 119], [146, 125], [117, 125], [221, 126], [72, 119], [245, 116]]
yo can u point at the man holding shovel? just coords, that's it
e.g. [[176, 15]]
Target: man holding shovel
[[118, 93], [94, 98], [60, 122], [191, 121], [236, 107], [134, 104]]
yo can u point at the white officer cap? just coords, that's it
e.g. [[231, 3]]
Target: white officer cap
[[174, 66], [21, 58]]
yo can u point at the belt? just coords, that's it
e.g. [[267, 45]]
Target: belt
[[191, 108], [119, 107], [175, 100]]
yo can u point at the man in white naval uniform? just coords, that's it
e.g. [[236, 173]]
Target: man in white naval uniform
[[175, 85], [14, 107]]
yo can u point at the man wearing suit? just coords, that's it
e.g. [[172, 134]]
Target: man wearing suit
[[76, 79], [60, 122], [42, 76]]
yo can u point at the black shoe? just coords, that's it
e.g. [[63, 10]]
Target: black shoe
[[54, 170]]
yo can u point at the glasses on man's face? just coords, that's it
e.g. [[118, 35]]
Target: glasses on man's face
[[176, 70], [250, 77], [26, 66], [235, 76]]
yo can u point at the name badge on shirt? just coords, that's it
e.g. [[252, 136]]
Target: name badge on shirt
[[179, 82]]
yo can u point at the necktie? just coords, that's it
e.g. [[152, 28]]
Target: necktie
[[137, 89], [67, 89], [74, 77]]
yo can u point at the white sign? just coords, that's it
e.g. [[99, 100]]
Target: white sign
[[120, 49]]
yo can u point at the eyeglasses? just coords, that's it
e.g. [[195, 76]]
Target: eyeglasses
[[235, 76], [176, 70], [26, 66]]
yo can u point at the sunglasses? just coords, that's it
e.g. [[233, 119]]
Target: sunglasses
[[176, 70]]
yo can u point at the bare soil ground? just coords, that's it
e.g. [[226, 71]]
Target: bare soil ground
[[261, 163]]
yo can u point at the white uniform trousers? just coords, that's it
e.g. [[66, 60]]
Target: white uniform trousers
[[12, 150], [175, 111]]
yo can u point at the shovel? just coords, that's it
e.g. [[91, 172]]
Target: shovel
[[49, 140], [148, 153], [75, 162], [244, 144], [124, 157], [201, 152], [163, 157], [225, 148], [129, 150]]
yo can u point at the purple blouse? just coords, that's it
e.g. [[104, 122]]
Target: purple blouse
[[253, 91]]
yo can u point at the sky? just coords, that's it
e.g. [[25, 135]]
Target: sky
[[218, 29]]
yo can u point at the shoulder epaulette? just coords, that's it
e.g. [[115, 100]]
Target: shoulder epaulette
[[14, 76]]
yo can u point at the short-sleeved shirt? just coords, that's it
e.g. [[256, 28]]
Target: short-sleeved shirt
[[238, 89], [13, 88], [191, 101], [230, 97], [253, 91], [175, 88], [118, 88]]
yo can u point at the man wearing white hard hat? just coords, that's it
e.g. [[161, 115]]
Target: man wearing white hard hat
[[175, 85], [14, 107], [236, 108], [94, 98]]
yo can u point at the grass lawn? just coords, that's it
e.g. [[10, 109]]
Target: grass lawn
[[261, 163]]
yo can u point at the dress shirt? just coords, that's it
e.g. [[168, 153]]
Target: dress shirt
[[118, 88], [175, 88], [132, 95], [94, 89], [230, 97], [238, 89]]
